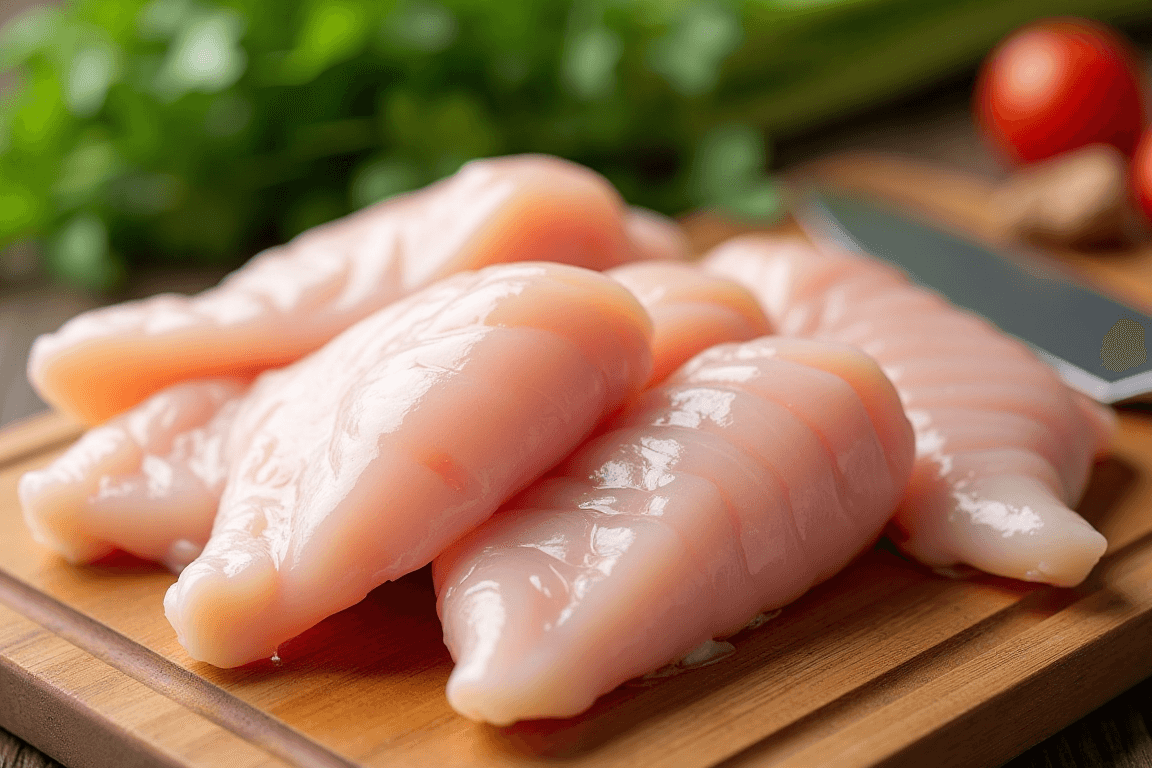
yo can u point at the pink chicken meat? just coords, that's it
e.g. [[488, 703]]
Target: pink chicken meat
[[755, 471], [149, 481], [360, 462], [1004, 449], [290, 300], [691, 310]]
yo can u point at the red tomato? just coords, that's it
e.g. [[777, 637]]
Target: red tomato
[[1059, 85], [1142, 174]]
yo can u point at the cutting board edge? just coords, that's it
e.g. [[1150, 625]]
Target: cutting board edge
[[227, 713], [1113, 660], [66, 730]]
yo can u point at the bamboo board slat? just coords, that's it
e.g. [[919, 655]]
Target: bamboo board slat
[[886, 664]]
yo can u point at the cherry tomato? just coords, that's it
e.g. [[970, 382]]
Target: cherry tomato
[[1142, 174], [1058, 85]]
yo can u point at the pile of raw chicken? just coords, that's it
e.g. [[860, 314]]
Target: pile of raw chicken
[[608, 452]]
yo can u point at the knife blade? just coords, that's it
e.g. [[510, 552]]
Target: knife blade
[[1095, 342]]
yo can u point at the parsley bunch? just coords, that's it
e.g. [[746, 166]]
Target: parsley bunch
[[199, 131]]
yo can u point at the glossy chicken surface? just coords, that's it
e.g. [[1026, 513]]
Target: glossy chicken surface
[[290, 300], [1004, 449], [147, 482], [755, 471], [363, 460], [691, 310]]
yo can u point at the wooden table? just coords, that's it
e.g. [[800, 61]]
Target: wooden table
[[936, 128]]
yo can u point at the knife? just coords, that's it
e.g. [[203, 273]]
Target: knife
[[1094, 342]]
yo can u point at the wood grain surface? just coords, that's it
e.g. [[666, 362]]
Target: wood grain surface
[[886, 664]]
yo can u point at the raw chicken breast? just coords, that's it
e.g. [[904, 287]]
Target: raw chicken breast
[[148, 482], [655, 236], [364, 460], [691, 310], [290, 300], [754, 472], [1004, 449]]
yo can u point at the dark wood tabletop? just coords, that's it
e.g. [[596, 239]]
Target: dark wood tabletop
[[933, 126]]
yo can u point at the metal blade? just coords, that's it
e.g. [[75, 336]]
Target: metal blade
[[1095, 342]]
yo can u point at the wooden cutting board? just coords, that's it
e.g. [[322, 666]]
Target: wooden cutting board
[[887, 664]]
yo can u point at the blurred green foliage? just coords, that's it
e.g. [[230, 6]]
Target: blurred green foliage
[[197, 131]]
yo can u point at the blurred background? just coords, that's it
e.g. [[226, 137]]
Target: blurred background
[[195, 132], [150, 146]]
